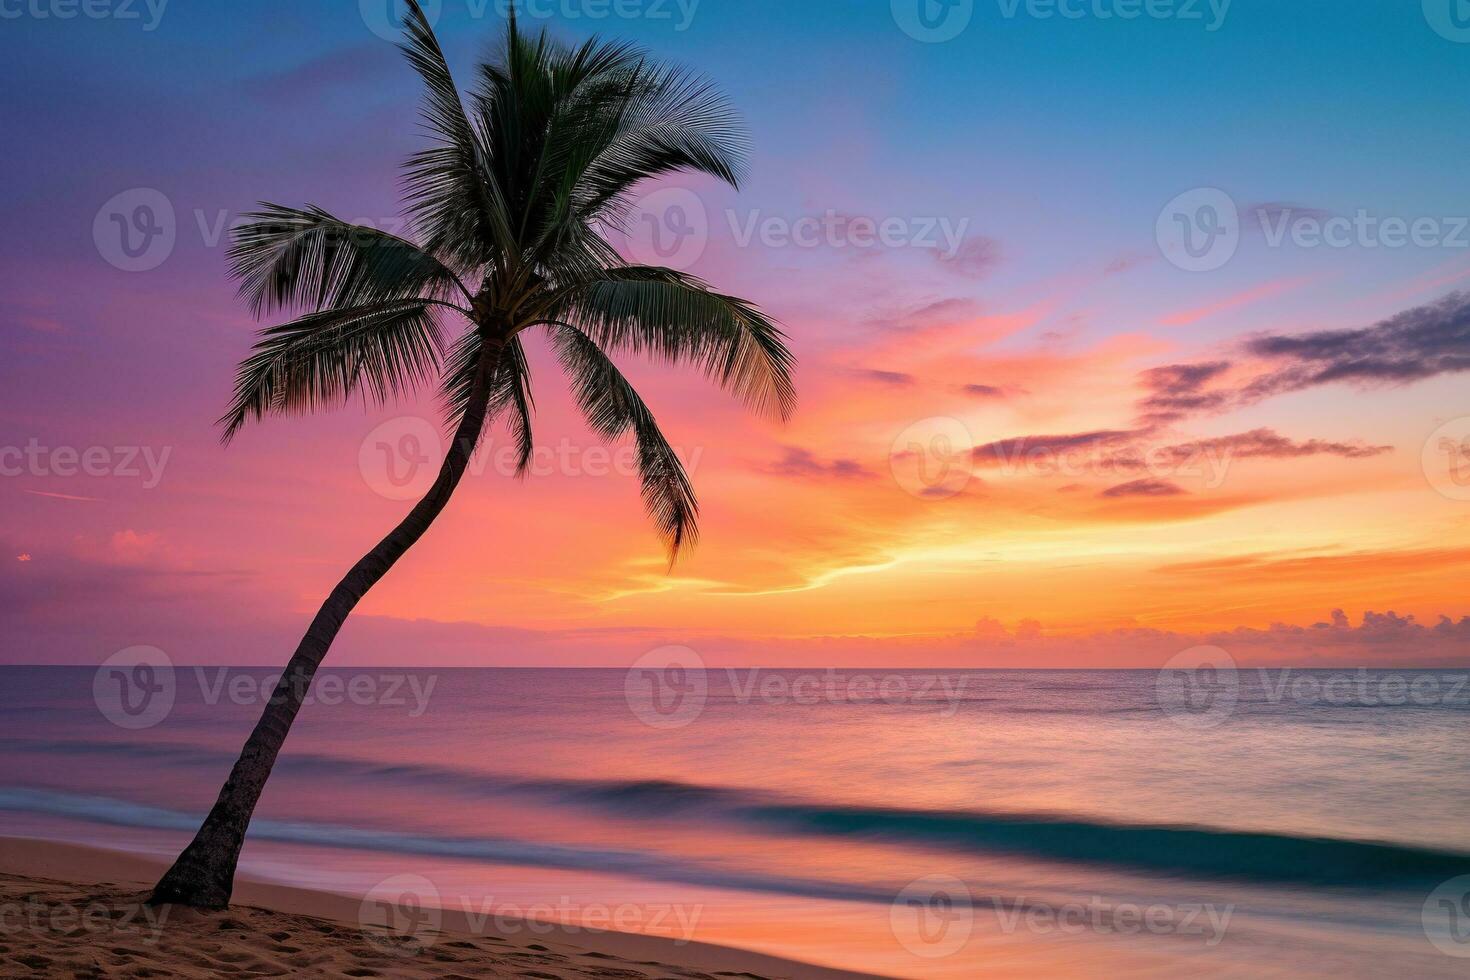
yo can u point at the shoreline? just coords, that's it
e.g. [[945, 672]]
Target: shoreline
[[79, 908]]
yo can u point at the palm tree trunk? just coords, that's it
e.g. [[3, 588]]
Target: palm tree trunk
[[203, 875]]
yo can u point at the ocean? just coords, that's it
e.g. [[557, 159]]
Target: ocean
[[910, 824]]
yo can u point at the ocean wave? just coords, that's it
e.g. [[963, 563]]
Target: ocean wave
[[1195, 851], [1187, 850], [493, 850]]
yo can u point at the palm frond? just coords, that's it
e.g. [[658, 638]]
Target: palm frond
[[673, 121], [320, 359], [613, 409], [679, 319], [306, 258], [450, 193], [571, 131]]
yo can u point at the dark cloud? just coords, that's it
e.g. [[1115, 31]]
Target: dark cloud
[[1144, 488], [802, 463], [1176, 378], [898, 379], [1279, 213], [1265, 444], [1123, 263], [1420, 343], [1425, 342], [973, 259], [1123, 451], [1022, 447], [352, 66], [985, 391], [938, 312], [1177, 390]]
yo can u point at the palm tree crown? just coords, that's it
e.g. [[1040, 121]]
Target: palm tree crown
[[512, 203]]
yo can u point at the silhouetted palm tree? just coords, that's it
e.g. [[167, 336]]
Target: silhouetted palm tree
[[511, 202]]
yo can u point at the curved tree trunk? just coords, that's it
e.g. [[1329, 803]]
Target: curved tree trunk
[[203, 875]]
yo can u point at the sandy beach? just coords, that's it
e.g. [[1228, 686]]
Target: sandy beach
[[72, 911]]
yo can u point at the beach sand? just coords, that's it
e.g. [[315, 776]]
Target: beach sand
[[72, 911]]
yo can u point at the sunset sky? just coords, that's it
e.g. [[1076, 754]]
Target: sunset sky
[[1141, 457]]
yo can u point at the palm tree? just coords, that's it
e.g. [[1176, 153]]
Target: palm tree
[[511, 202]]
